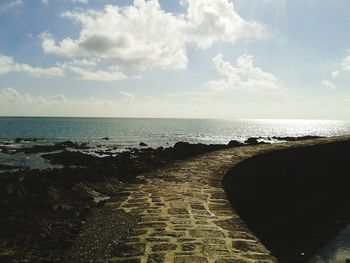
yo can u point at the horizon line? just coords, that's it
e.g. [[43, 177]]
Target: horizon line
[[178, 118]]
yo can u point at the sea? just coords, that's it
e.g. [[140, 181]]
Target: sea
[[129, 132]]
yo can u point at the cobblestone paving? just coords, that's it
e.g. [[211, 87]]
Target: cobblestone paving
[[185, 216]]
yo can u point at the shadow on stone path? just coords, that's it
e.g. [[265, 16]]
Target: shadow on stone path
[[184, 215]]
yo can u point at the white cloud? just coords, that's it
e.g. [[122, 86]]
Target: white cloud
[[328, 84], [128, 97], [10, 93], [335, 74], [73, 1], [244, 76], [59, 98], [97, 75], [80, 62], [345, 63], [143, 35], [212, 21], [8, 65], [83, 68], [140, 36], [8, 6], [13, 103], [279, 2], [232, 103], [81, 1]]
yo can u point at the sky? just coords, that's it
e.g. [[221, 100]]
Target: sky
[[268, 59]]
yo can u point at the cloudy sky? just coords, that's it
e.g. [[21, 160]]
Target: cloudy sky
[[178, 58]]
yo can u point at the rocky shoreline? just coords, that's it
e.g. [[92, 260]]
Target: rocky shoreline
[[43, 211]]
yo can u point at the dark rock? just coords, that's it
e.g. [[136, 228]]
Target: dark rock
[[254, 141], [185, 149], [105, 138], [156, 258], [162, 247], [67, 144], [143, 144], [188, 246], [290, 139], [182, 146], [49, 148], [8, 167], [84, 145], [234, 143], [192, 259], [124, 250], [18, 140], [177, 211], [251, 141], [6, 258]]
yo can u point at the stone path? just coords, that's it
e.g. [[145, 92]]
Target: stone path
[[185, 216]]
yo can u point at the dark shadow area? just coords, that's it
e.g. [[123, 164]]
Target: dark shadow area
[[294, 200]]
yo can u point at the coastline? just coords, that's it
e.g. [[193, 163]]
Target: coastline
[[45, 208], [88, 193]]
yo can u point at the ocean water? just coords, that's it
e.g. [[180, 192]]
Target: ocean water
[[129, 132]]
